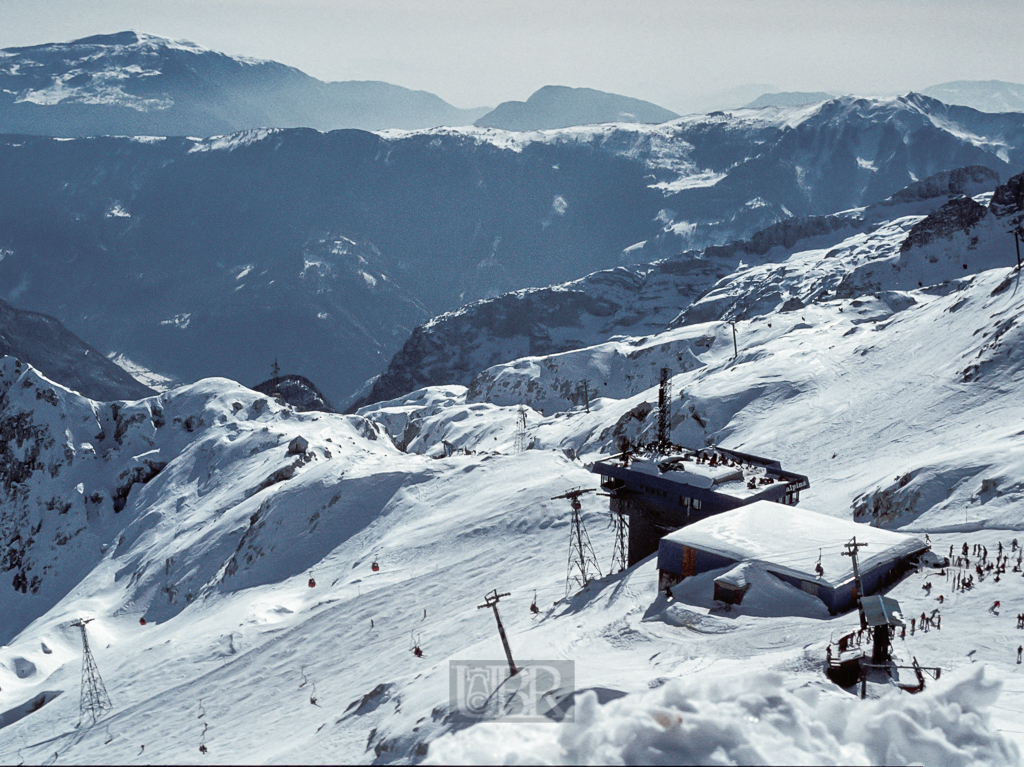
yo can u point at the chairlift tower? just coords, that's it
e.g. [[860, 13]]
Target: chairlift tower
[[94, 700], [582, 562]]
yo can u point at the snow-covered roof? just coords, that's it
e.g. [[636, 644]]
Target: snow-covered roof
[[788, 539]]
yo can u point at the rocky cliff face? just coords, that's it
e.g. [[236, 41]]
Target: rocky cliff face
[[1008, 199], [955, 216], [297, 391]]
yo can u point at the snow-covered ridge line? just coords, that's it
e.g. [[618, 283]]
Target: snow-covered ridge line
[[454, 347]]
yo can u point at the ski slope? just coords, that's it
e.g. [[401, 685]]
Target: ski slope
[[901, 402]]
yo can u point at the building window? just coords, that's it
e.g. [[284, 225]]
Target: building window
[[684, 501], [696, 504]]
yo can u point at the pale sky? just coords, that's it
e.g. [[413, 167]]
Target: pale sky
[[479, 52]]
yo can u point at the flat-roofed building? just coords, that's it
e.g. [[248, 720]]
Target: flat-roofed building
[[664, 493], [790, 544]]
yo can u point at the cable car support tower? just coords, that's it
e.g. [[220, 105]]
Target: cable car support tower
[[94, 700], [582, 564]]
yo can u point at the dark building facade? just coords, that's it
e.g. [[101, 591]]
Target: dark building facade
[[667, 492]]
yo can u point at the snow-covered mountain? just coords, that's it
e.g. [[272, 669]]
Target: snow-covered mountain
[[297, 391], [170, 252], [270, 636], [131, 84], [793, 99], [984, 95], [632, 301], [44, 343], [556, 106]]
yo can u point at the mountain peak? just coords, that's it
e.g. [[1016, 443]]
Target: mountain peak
[[560, 106], [125, 39]]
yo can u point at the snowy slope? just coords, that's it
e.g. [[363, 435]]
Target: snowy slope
[[132, 83], [246, 654], [448, 530], [901, 402]]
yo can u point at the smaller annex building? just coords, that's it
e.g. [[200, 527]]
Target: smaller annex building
[[801, 547]]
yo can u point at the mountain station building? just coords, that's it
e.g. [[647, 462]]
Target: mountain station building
[[663, 494]]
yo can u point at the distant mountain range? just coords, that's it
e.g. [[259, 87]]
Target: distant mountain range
[[211, 257], [555, 106], [44, 343], [135, 84], [984, 95]]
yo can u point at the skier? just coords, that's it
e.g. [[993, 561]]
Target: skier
[[1020, 649], [994, 607]]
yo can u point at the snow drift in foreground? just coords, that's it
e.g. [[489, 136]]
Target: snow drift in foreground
[[754, 720]]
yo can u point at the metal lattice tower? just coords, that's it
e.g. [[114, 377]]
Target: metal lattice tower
[[582, 562], [94, 699], [664, 409], [520, 446], [620, 559]]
